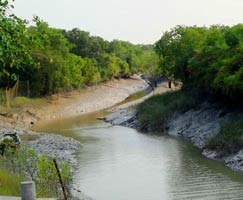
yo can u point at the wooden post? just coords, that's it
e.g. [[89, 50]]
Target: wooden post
[[28, 190], [60, 179], [28, 88]]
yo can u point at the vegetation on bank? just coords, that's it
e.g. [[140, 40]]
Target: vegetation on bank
[[229, 139], [206, 58], [24, 164], [43, 60], [9, 184], [154, 113]]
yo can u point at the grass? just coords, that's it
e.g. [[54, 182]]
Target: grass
[[20, 102], [9, 184], [154, 113], [132, 97], [135, 96], [229, 138]]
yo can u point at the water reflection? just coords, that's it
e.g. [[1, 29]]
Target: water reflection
[[119, 163], [124, 164]]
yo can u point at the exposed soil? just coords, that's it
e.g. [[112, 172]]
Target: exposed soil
[[91, 99], [88, 100]]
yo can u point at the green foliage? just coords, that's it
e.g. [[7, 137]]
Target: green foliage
[[154, 113], [25, 164], [175, 48], [114, 59], [14, 43], [90, 72], [56, 65], [10, 184], [129, 53], [205, 58], [51, 60], [229, 139], [24, 102], [48, 182]]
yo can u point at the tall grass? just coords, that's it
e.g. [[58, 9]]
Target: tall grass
[[9, 184], [20, 102], [154, 113], [229, 139]]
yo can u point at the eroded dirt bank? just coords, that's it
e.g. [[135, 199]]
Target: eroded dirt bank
[[91, 99], [88, 100]]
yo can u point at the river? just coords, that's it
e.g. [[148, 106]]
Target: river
[[119, 163]]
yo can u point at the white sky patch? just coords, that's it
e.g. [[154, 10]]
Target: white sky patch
[[137, 21]]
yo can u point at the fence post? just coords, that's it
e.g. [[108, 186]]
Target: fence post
[[60, 179], [28, 190]]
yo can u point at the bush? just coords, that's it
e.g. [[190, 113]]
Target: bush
[[229, 138], [154, 113], [25, 164]]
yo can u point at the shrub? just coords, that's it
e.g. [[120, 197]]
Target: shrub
[[26, 164], [154, 113], [229, 138]]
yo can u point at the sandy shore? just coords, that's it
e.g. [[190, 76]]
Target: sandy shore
[[88, 100], [91, 99]]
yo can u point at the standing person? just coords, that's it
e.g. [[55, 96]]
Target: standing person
[[169, 83]]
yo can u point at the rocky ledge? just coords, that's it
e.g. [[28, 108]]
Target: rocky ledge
[[123, 117], [201, 125]]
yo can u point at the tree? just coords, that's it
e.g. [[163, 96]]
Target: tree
[[175, 49], [14, 45]]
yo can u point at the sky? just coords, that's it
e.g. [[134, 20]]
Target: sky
[[137, 21]]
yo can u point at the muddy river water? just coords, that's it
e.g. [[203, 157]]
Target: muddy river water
[[119, 163]]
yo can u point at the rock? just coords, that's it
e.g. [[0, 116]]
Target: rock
[[235, 162], [212, 154], [123, 117], [57, 146], [199, 126]]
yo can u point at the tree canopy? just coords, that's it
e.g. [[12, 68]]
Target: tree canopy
[[14, 45], [205, 58], [51, 60]]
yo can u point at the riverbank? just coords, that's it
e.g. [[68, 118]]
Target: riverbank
[[88, 100], [125, 115], [199, 124], [19, 119], [204, 124], [104, 95], [94, 98]]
